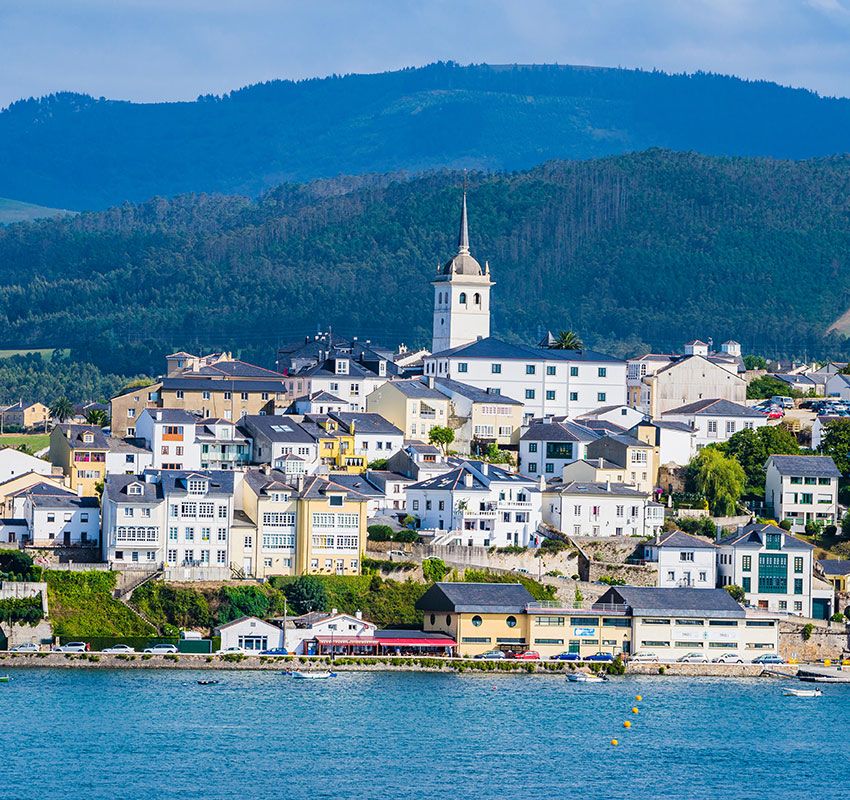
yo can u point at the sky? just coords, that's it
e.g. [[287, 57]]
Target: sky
[[149, 50]]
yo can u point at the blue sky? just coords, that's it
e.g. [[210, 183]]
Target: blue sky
[[177, 49]]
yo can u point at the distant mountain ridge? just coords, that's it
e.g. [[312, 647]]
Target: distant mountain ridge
[[73, 151], [634, 251]]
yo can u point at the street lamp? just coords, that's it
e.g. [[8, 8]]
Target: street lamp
[[332, 628]]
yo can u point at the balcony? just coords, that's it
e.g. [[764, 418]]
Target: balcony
[[485, 513]]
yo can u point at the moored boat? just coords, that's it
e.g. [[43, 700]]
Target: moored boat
[[789, 692], [312, 676], [4, 678], [585, 677]]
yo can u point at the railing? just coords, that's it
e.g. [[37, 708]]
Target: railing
[[610, 607]]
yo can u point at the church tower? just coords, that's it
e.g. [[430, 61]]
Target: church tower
[[461, 296]]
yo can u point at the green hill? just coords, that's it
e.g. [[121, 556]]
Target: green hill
[[651, 248], [75, 151], [16, 211]]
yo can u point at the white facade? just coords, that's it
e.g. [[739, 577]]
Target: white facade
[[623, 415], [14, 463], [478, 505], [601, 509], [127, 459], [802, 489], [838, 386], [300, 631], [716, 421], [170, 436], [677, 443], [62, 519], [545, 448], [548, 382], [683, 561], [251, 634]]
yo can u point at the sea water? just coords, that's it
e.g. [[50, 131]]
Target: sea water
[[131, 734]]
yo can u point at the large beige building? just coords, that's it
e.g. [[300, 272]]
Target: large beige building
[[299, 526], [412, 406], [215, 386]]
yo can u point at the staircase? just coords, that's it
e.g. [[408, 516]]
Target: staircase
[[129, 581]]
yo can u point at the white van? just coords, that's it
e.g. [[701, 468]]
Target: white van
[[191, 636], [782, 401]]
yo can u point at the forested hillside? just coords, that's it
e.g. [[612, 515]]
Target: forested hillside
[[637, 250], [77, 152]]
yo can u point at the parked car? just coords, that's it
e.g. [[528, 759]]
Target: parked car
[[567, 657], [161, 649], [24, 647], [782, 400], [232, 649], [728, 658], [692, 658], [768, 658], [275, 651], [775, 413], [600, 656], [71, 647], [118, 648], [491, 654], [527, 655], [644, 658]]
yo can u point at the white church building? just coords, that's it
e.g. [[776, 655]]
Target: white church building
[[546, 380]]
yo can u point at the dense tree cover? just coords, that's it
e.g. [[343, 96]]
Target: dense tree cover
[[767, 386], [719, 479], [74, 151], [646, 248], [835, 442], [751, 448], [16, 565]]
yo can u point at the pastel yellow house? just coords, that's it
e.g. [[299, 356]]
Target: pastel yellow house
[[26, 415], [14, 487], [80, 450], [301, 526], [336, 445], [411, 405]]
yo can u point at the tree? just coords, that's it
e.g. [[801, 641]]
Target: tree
[[755, 362], [737, 592], [442, 436], [496, 456], [434, 569], [97, 416], [306, 593], [567, 340], [767, 386], [62, 409], [835, 442], [719, 479], [751, 448]]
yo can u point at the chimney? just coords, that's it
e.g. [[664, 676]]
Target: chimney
[[607, 484], [299, 483], [265, 469], [467, 480], [485, 468], [334, 612], [430, 381], [541, 483], [79, 490], [358, 614], [599, 462]]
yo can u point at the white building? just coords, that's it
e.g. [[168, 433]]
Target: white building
[[683, 560], [601, 509], [461, 297], [125, 457], [374, 437], [56, 517], [623, 416], [343, 377], [222, 444], [715, 420], [819, 428], [479, 505], [320, 403], [773, 567], [676, 441], [802, 489], [14, 463], [547, 446], [277, 437], [175, 518], [549, 382], [838, 386], [169, 433]]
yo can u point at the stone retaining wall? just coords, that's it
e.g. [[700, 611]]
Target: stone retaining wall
[[826, 641]]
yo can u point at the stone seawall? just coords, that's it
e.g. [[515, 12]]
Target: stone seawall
[[355, 664]]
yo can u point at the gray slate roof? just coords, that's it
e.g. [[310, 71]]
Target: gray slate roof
[[481, 480], [559, 431], [495, 598], [74, 434], [366, 422], [496, 348], [715, 408], [116, 490], [685, 602], [417, 390], [805, 466], [276, 428], [580, 487], [834, 566], [680, 539], [753, 536], [475, 394]]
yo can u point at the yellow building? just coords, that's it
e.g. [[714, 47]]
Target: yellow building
[[299, 526], [412, 406], [336, 444], [215, 386], [13, 487], [26, 416], [80, 450], [837, 572]]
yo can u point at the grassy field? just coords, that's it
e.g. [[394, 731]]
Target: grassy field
[[46, 353], [17, 211], [34, 441]]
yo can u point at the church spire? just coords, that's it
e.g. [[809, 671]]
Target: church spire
[[463, 236]]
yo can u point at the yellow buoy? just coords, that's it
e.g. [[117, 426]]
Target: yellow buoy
[[634, 709], [627, 724], [639, 697], [614, 742], [827, 662]]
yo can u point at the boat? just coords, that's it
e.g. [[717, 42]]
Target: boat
[[4, 678], [312, 676], [789, 692], [584, 677], [207, 683]]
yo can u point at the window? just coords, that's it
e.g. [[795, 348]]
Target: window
[[773, 541], [190, 534], [180, 394], [244, 396], [496, 369], [415, 505], [730, 426], [747, 563], [131, 412], [550, 467], [205, 395], [712, 427], [336, 500], [602, 372], [798, 564], [463, 367], [476, 621], [686, 555], [573, 372], [172, 534], [530, 369], [511, 622], [228, 395], [559, 450], [529, 394], [462, 298], [532, 447], [798, 585], [551, 371], [532, 466], [550, 394], [601, 396], [573, 397]]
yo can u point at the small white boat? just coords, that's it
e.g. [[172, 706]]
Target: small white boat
[[789, 692], [312, 676], [584, 677]]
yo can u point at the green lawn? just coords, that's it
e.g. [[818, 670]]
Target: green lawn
[[46, 353], [17, 211], [34, 441]]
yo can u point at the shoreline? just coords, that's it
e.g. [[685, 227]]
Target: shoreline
[[367, 664]]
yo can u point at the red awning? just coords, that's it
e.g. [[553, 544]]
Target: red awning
[[367, 641], [416, 642]]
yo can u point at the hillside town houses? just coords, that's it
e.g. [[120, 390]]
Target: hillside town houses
[[220, 469]]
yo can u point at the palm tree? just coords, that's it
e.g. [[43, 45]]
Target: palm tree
[[567, 340], [62, 409], [97, 416]]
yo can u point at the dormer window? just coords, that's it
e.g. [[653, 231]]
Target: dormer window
[[336, 500], [88, 438], [341, 366], [134, 488], [196, 486]]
